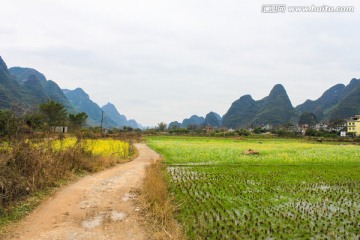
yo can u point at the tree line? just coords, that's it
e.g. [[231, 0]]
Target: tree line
[[48, 115]]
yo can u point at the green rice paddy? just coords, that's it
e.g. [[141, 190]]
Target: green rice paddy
[[293, 189]]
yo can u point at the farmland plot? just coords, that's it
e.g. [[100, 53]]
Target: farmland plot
[[292, 190], [97, 147]]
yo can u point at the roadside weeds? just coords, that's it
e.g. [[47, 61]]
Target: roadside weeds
[[30, 175], [159, 204]]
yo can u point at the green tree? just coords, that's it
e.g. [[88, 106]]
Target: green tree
[[78, 121], [162, 126], [259, 130], [308, 118], [128, 129], [9, 123], [54, 113], [35, 121], [243, 132]]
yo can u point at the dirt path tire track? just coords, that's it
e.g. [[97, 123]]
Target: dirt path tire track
[[98, 206]]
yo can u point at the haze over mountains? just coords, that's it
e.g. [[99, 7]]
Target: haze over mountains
[[120, 119], [23, 89]]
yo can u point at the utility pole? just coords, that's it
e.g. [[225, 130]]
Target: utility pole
[[102, 119]]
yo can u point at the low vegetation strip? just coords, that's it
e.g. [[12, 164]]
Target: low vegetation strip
[[295, 189], [195, 151], [29, 167]]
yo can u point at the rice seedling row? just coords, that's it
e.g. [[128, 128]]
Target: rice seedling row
[[279, 199]]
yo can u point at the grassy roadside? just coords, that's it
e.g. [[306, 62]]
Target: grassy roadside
[[22, 208], [159, 204], [29, 175]]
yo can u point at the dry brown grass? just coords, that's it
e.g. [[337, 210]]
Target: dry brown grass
[[25, 169], [160, 205], [32, 171]]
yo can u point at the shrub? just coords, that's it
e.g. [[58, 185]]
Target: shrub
[[9, 124], [27, 167], [243, 132]]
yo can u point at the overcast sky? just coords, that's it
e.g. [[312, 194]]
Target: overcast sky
[[167, 60]]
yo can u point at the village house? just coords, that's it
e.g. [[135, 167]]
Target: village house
[[353, 125], [59, 129], [208, 129]]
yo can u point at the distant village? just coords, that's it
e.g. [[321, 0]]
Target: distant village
[[342, 128], [339, 128]]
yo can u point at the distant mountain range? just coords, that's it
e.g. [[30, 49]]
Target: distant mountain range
[[111, 111], [23, 89], [275, 109], [82, 103], [212, 119], [338, 102], [120, 119], [37, 88]]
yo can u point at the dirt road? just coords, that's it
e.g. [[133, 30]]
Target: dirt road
[[99, 206]]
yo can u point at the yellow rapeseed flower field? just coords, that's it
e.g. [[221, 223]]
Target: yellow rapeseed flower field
[[108, 147], [98, 147]]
